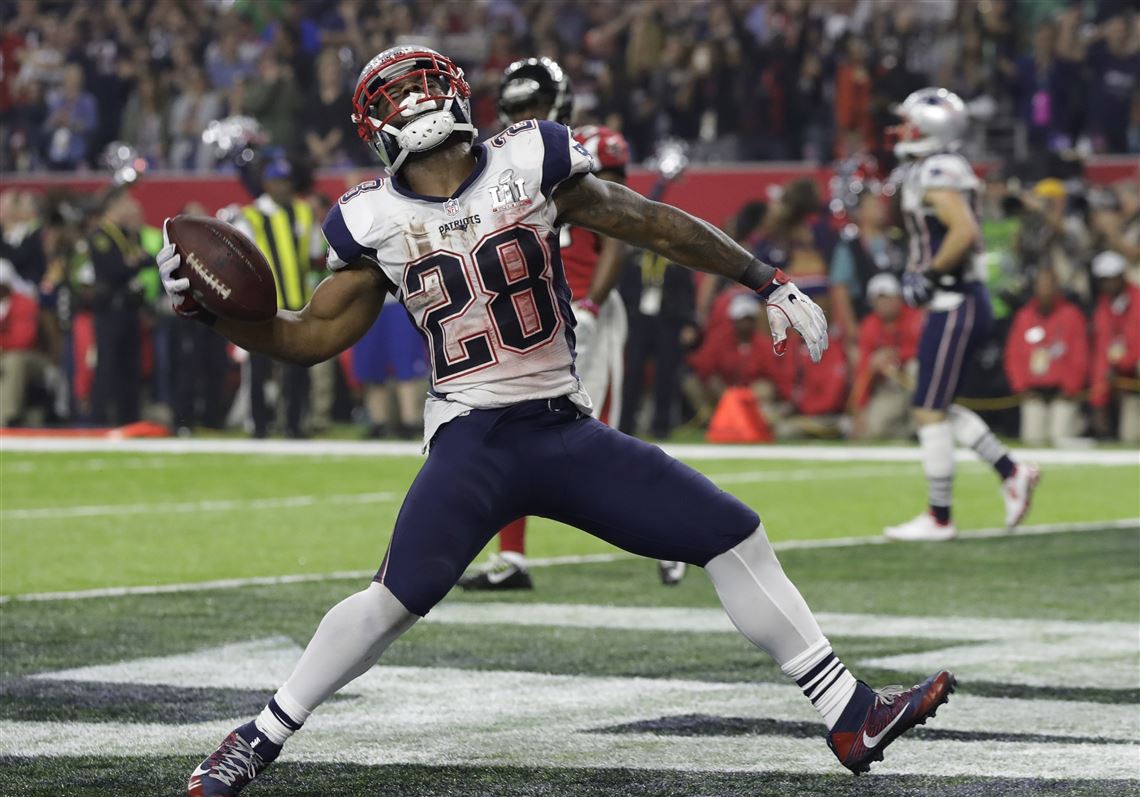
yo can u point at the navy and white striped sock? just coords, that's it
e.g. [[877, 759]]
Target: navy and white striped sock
[[824, 680], [278, 724]]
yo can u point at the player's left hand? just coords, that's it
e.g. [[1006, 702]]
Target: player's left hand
[[788, 307], [917, 288]]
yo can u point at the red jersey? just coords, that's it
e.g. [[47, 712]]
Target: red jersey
[[581, 247], [812, 388], [1116, 349], [1048, 350], [738, 364], [19, 323], [901, 335]]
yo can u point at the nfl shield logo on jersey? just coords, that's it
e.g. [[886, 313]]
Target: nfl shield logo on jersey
[[451, 207]]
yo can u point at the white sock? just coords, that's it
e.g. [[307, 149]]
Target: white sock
[[281, 718], [349, 640], [823, 679], [513, 558], [937, 443]]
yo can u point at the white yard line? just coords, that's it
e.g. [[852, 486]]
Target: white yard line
[[554, 561], [115, 510], [821, 453]]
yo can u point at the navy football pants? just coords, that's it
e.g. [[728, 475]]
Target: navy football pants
[[948, 343], [544, 458]]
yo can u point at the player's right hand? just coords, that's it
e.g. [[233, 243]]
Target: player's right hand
[[788, 307], [177, 288]]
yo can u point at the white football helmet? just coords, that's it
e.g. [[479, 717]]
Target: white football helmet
[[934, 120], [410, 99]]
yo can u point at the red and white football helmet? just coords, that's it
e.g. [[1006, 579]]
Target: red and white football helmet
[[410, 99], [606, 146]]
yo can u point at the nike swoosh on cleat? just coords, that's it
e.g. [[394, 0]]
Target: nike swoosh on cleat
[[871, 742], [498, 577], [201, 769]]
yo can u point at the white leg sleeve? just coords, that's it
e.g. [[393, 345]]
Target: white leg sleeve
[[347, 643], [937, 443], [761, 601], [972, 432]]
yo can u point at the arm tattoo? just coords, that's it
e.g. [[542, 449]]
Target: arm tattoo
[[614, 210]]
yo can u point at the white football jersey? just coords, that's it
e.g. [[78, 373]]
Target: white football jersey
[[925, 232], [480, 271]]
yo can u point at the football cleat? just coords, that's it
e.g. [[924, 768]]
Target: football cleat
[[1017, 491], [924, 528], [505, 571], [240, 758], [874, 719], [671, 572]]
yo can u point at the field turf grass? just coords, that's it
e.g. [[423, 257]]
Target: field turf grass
[[600, 682]]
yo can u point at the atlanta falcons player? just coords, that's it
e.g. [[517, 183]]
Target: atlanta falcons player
[[939, 194], [466, 236]]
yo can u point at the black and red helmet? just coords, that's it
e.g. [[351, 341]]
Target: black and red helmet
[[538, 83]]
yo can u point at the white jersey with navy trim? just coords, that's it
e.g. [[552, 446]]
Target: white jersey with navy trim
[[925, 231], [480, 271]]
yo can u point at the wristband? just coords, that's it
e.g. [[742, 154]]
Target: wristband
[[762, 278], [590, 306]]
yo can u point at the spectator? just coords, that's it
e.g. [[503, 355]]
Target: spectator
[[1114, 63], [855, 126], [324, 114], [1044, 85], [1046, 361], [275, 101], [195, 108], [1115, 219], [226, 64], [1049, 237], [866, 248], [21, 362], [1115, 373], [659, 299], [736, 354], [886, 370], [390, 362], [71, 120], [144, 122], [808, 398], [117, 260]]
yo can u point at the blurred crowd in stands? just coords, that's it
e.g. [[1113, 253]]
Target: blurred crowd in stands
[[736, 79], [87, 338]]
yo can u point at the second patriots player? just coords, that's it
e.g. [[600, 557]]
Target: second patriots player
[[466, 236], [939, 194]]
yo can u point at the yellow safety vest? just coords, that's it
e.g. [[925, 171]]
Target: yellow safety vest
[[285, 243]]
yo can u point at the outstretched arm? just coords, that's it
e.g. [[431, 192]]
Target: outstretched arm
[[614, 210], [344, 307]]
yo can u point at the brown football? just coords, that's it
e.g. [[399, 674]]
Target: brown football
[[228, 274]]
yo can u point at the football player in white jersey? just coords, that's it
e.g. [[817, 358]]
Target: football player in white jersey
[[940, 194], [466, 235]]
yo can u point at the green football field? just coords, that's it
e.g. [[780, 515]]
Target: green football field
[[120, 668]]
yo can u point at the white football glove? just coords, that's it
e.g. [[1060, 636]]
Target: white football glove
[[585, 328], [177, 288], [788, 307]]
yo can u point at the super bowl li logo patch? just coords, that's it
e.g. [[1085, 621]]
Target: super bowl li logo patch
[[508, 192]]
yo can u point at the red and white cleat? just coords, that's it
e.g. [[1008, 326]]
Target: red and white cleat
[[1017, 491]]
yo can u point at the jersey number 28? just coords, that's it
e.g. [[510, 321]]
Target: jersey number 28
[[510, 266]]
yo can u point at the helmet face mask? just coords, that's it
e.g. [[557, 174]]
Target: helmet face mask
[[410, 99], [933, 120], [535, 87]]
